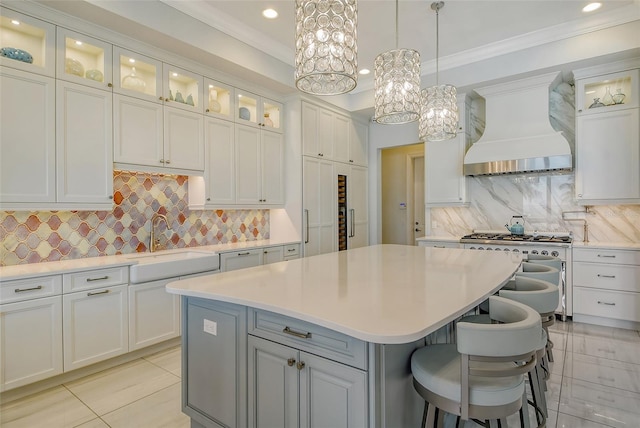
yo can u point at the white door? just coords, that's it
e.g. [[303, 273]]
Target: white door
[[248, 165], [183, 139], [220, 170], [27, 137], [357, 207], [418, 199], [138, 131], [319, 204], [154, 314], [84, 144], [272, 158]]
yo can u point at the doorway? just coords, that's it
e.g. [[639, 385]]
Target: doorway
[[402, 194]]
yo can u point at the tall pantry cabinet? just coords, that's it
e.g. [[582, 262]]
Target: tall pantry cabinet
[[335, 214]]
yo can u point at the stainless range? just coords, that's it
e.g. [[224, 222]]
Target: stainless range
[[552, 244]]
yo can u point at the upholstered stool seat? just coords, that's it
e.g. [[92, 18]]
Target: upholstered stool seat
[[480, 377]]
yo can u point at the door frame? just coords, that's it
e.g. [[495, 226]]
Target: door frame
[[410, 161]]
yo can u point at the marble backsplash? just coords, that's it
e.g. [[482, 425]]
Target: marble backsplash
[[541, 197]]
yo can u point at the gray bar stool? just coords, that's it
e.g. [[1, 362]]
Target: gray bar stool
[[544, 273], [543, 297], [482, 376]]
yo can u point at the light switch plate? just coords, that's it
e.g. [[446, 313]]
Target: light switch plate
[[210, 327]]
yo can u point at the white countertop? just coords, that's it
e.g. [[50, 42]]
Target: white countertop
[[31, 270], [381, 293]]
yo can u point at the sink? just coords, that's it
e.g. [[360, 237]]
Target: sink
[[153, 266]]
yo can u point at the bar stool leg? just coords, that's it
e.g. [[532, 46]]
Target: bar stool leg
[[524, 412]]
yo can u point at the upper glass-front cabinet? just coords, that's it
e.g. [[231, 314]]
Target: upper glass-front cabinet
[[255, 110], [137, 75], [84, 60], [218, 99], [182, 88], [26, 43], [607, 92]]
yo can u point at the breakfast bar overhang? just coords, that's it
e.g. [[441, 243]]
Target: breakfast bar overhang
[[324, 339]]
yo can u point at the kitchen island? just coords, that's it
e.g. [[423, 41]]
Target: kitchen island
[[324, 340]]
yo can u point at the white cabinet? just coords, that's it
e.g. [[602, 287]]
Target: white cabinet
[[606, 286], [446, 184], [220, 165], [154, 314], [258, 112], [183, 140], [319, 206], [291, 251], [27, 138], [241, 259], [359, 143], [219, 100], [84, 60], [31, 334], [608, 134], [259, 161], [84, 146], [438, 243], [327, 134], [272, 255], [95, 316], [357, 213]]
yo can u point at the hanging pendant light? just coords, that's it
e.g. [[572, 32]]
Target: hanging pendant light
[[397, 85], [439, 113], [326, 48]]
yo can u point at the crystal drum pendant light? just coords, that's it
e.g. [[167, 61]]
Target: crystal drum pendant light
[[439, 113], [397, 85], [326, 48]]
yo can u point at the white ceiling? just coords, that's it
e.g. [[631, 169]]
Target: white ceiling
[[469, 29]]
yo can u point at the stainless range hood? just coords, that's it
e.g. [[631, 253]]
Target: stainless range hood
[[518, 136]]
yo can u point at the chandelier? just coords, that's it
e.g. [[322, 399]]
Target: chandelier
[[439, 113], [326, 49], [397, 85]]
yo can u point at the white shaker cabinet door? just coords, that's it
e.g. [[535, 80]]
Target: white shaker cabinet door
[[84, 144], [319, 207], [95, 324], [358, 214], [31, 348], [27, 137], [154, 314], [138, 128], [272, 159], [220, 187], [183, 139], [248, 165]]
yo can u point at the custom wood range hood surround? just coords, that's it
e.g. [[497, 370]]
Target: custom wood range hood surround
[[518, 137]]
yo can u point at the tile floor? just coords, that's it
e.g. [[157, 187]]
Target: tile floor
[[595, 382]]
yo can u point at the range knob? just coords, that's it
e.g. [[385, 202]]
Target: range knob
[[506, 249], [480, 248], [489, 248], [498, 249], [515, 250], [544, 252], [472, 248], [534, 252], [555, 253]]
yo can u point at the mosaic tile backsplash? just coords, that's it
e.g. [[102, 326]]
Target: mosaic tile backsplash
[[33, 237]]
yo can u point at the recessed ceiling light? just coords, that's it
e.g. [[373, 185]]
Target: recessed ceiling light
[[15, 22], [270, 13], [591, 7], [364, 71]]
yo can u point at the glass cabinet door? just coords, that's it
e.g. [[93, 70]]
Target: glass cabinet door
[[247, 108], [137, 75], [607, 92], [84, 60], [218, 100], [271, 115], [27, 43], [182, 89]]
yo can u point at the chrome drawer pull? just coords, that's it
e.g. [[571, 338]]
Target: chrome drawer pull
[[95, 293], [296, 333], [20, 290], [606, 276], [98, 279], [606, 303], [606, 257], [244, 254]]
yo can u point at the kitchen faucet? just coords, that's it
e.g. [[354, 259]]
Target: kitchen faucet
[[154, 243], [584, 220]]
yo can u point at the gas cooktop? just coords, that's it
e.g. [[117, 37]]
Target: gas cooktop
[[508, 237]]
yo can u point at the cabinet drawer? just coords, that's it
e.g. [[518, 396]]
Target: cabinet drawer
[[32, 288], [95, 279], [603, 303], [292, 251], [621, 257], [309, 337], [606, 276]]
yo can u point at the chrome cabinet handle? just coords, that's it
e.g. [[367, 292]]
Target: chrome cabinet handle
[[287, 330], [244, 254], [98, 279], [306, 237], [291, 362], [606, 276], [21, 290], [606, 303], [95, 293], [606, 256], [353, 223]]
